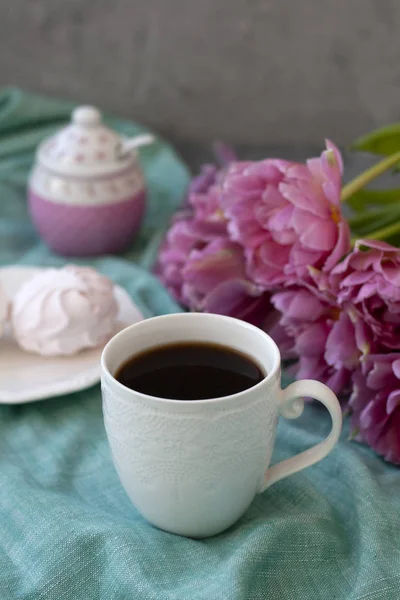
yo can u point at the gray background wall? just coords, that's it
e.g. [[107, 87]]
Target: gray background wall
[[257, 72]]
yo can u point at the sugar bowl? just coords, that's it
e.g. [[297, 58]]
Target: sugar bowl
[[86, 191]]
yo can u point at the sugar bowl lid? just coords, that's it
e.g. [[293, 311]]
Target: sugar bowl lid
[[86, 147]]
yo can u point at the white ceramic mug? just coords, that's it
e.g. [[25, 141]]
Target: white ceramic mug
[[193, 468]]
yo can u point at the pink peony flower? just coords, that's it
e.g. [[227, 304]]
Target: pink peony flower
[[208, 217], [287, 216], [199, 222], [214, 280], [367, 285], [375, 403], [323, 337], [254, 228], [198, 263], [209, 274], [181, 239], [191, 230]]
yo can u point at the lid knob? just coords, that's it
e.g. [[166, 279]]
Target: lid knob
[[86, 116]]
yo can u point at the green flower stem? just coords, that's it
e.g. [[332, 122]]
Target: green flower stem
[[369, 175], [383, 233]]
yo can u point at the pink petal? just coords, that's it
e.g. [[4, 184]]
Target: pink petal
[[314, 167], [364, 260], [377, 245], [339, 160], [249, 233], [272, 198], [305, 197], [316, 234], [220, 261], [341, 248], [356, 278], [363, 336], [341, 349], [311, 342], [396, 368], [393, 402], [373, 416], [265, 264], [311, 368], [390, 444], [298, 305], [298, 172], [332, 192], [202, 182], [379, 370], [361, 393], [240, 184], [231, 297], [273, 254], [300, 261], [366, 291], [338, 381], [281, 219], [270, 170], [391, 272], [287, 237]]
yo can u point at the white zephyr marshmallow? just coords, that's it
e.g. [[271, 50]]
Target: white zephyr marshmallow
[[4, 309], [62, 311]]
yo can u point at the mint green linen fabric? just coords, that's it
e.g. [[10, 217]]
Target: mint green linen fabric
[[67, 529]]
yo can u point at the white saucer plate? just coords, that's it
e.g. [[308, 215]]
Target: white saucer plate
[[26, 377]]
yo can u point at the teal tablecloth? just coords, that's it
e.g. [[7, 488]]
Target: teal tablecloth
[[67, 529]]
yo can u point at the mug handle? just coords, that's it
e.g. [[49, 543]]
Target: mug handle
[[291, 407]]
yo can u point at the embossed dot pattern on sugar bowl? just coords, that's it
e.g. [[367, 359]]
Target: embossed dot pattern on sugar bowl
[[86, 191]]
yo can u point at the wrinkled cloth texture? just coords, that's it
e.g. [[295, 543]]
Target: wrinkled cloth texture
[[67, 528]]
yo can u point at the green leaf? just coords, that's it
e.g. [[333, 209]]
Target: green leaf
[[364, 199], [383, 141], [365, 218], [390, 232], [394, 240], [369, 221]]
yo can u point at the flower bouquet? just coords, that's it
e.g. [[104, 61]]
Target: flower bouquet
[[267, 242]]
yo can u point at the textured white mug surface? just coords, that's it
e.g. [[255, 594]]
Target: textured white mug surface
[[193, 468]]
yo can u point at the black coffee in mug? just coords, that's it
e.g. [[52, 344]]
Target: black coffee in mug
[[190, 371]]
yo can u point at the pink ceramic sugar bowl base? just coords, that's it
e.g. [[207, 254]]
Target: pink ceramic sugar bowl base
[[72, 230]]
